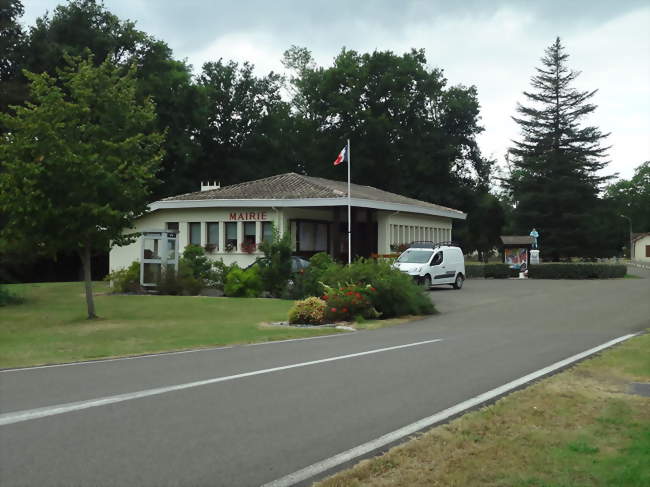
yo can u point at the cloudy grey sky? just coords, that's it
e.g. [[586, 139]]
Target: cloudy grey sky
[[494, 45]]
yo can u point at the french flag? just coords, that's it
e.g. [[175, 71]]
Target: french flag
[[342, 157]]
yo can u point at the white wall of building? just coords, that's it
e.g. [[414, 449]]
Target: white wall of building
[[121, 257], [640, 249], [403, 228], [393, 228]]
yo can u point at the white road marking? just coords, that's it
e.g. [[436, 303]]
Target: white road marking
[[116, 359], [273, 342], [162, 354], [399, 434], [29, 414]]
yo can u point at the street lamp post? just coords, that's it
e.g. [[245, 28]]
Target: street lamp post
[[631, 246]]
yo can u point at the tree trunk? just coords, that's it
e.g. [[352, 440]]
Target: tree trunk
[[88, 284]]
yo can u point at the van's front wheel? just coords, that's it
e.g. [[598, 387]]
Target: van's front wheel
[[458, 283]]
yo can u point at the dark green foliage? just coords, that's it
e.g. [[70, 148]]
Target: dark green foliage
[[169, 284], [496, 271], [473, 271], [576, 271], [275, 268], [179, 283], [7, 297], [125, 280], [79, 27], [631, 197], [12, 51], [243, 282], [244, 124], [397, 294], [499, 271], [321, 261], [217, 276], [411, 133], [483, 228], [197, 262], [309, 281], [78, 163], [556, 165]]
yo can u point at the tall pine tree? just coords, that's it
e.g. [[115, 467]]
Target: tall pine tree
[[555, 176]]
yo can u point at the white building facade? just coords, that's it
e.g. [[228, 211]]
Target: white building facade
[[641, 244], [231, 222]]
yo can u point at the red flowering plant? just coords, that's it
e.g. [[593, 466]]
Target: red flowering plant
[[349, 302], [248, 247]]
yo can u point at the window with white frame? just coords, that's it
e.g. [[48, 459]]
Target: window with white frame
[[194, 231], [231, 236]]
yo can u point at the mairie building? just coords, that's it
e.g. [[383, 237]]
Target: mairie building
[[230, 222]]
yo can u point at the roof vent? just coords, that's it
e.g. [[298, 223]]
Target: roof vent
[[209, 185]]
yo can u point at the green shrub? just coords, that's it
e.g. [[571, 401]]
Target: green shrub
[[310, 311], [217, 276], [473, 271], [179, 283], [197, 262], [499, 271], [345, 303], [496, 271], [397, 294], [275, 268], [169, 283], [7, 297], [125, 280], [308, 282], [321, 261], [576, 271], [243, 283]]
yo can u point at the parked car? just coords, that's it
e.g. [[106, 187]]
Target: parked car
[[433, 264], [297, 263]]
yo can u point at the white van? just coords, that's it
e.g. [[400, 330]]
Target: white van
[[433, 264]]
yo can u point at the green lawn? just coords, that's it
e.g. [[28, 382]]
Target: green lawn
[[578, 428], [50, 326]]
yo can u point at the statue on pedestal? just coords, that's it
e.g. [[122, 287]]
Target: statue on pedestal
[[535, 234]]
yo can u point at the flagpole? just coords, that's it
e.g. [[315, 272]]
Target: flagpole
[[349, 208]]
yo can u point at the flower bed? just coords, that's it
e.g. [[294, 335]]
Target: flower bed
[[349, 302]]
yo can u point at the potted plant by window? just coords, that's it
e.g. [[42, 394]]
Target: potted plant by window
[[229, 247], [248, 247], [210, 247]]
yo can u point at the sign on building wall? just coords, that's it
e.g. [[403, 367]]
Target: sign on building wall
[[248, 216]]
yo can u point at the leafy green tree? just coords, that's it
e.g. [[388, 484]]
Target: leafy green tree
[[631, 197], [82, 26], [245, 125], [482, 230], [180, 109], [555, 176], [275, 268], [12, 40], [410, 133], [78, 162]]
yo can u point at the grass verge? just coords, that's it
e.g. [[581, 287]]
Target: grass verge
[[50, 326], [577, 428], [375, 324]]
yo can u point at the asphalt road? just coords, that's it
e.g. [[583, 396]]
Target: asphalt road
[[249, 430]]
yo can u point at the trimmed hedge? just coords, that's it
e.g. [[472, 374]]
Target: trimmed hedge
[[576, 271], [496, 271]]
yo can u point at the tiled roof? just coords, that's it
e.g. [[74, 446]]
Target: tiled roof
[[639, 236], [297, 186], [517, 239]]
